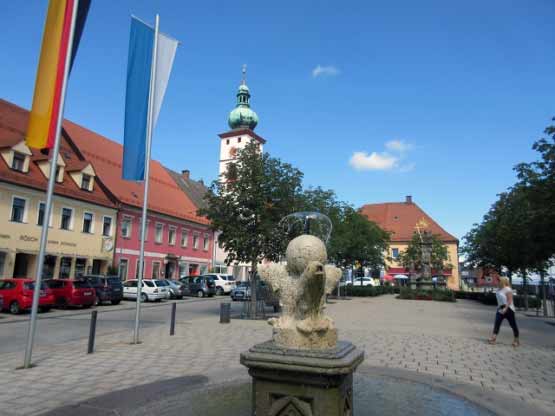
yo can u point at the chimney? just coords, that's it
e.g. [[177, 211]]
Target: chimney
[[408, 199], [185, 173]]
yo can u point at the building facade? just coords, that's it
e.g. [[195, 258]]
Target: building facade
[[83, 220], [178, 241], [402, 219]]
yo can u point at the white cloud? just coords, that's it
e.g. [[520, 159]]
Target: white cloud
[[374, 161], [398, 146], [325, 71], [393, 159]]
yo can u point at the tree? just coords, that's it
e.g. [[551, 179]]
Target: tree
[[354, 238], [246, 205], [413, 256]]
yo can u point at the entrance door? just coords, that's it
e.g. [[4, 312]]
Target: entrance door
[[48, 267], [170, 268], [21, 265], [96, 266]]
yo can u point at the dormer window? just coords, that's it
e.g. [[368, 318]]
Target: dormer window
[[86, 182], [18, 161], [59, 173]]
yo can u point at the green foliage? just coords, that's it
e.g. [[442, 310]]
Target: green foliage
[[440, 295], [488, 298], [354, 238], [412, 255], [246, 205], [524, 214], [370, 291]]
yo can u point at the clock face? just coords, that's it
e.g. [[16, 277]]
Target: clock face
[[233, 152], [108, 244]]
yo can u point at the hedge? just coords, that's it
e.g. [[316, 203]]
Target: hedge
[[351, 290], [440, 295], [488, 298]]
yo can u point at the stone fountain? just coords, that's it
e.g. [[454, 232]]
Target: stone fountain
[[303, 370]]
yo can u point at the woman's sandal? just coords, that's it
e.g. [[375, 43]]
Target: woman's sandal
[[491, 341], [516, 343]]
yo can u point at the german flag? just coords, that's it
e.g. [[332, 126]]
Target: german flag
[[65, 21]]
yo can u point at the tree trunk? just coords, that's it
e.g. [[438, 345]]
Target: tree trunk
[[253, 280], [525, 288], [544, 297]]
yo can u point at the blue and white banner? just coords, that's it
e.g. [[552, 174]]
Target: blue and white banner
[[139, 67]]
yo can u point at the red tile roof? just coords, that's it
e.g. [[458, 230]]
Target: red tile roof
[[165, 196], [400, 218], [13, 124]]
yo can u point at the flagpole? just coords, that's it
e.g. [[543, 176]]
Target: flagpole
[[146, 180], [49, 194]]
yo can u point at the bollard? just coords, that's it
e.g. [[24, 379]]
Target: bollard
[[172, 322], [225, 312], [92, 332]]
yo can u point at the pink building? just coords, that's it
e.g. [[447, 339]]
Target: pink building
[[178, 241]]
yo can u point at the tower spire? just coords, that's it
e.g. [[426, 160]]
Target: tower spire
[[244, 71]]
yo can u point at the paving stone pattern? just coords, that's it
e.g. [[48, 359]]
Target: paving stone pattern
[[440, 339]]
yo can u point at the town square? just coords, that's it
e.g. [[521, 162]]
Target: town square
[[304, 208]]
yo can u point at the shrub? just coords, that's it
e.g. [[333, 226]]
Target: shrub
[[440, 295], [369, 290], [489, 298]]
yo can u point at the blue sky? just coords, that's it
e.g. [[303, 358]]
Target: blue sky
[[376, 100]]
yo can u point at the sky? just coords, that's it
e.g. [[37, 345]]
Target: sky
[[373, 99]]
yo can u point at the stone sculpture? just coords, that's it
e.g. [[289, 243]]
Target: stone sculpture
[[302, 285]]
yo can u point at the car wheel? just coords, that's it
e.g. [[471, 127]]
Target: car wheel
[[115, 302], [219, 291], [45, 308], [87, 306], [144, 297], [200, 294], [14, 308]]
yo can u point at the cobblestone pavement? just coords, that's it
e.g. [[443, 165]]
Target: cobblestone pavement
[[439, 339]]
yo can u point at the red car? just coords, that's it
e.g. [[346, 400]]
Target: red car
[[18, 295], [71, 292]]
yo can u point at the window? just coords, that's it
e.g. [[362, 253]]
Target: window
[[238, 140], [137, 270], [18, 209], [122, 269], [66, 218], [2, 262], [148, 283], [184, 238], [107, 226], [155, 270], [126, 227], [58, 170], [195, 241], [18, 161], [140, 230], [85, 182], [159, 232], [88, 219], [206, 242], [171, 236], [394, 253], [40, 219], [80, 265], [65, 267], [227, 141]]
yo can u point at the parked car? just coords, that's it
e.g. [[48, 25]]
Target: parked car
[[163, 283], [18, 295], [224, 283], [117, 288], [177, 290], [150, 291], [71, 292], [1, 302], [199, 286], [102, 289], [241, 291], [362, 281]]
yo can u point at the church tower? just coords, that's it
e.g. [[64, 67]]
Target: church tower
[[242, 120]]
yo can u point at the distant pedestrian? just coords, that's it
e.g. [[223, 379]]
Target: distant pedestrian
[[505, 309]]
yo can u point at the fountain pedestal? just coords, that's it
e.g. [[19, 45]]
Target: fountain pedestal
[[291, 382]]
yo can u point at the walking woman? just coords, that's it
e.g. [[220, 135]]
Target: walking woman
[[505, 309]]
